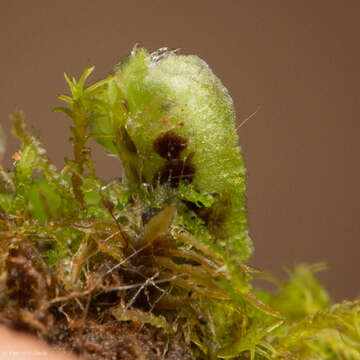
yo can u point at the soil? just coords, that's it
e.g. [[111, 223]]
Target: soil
[[33, 301]]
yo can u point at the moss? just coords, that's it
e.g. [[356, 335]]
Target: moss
[[159, 255]]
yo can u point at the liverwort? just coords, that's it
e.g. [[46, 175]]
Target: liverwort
[[172, 123], [164, 246]]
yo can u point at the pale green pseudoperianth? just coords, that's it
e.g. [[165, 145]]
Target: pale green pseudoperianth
[[153, 94]]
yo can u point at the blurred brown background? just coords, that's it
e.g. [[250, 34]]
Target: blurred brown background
[[299, 61]]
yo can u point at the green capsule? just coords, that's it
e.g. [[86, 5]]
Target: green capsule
[[172, 123]]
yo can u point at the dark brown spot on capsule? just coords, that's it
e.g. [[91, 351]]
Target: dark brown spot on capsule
[[169, 145], [174, 171]]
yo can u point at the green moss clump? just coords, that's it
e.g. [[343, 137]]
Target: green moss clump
[[165, 246]]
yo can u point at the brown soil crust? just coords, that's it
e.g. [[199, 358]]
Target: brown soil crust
[[120, 340], [33, 301]]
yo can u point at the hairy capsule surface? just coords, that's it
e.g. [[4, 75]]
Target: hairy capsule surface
[[172, 123]]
